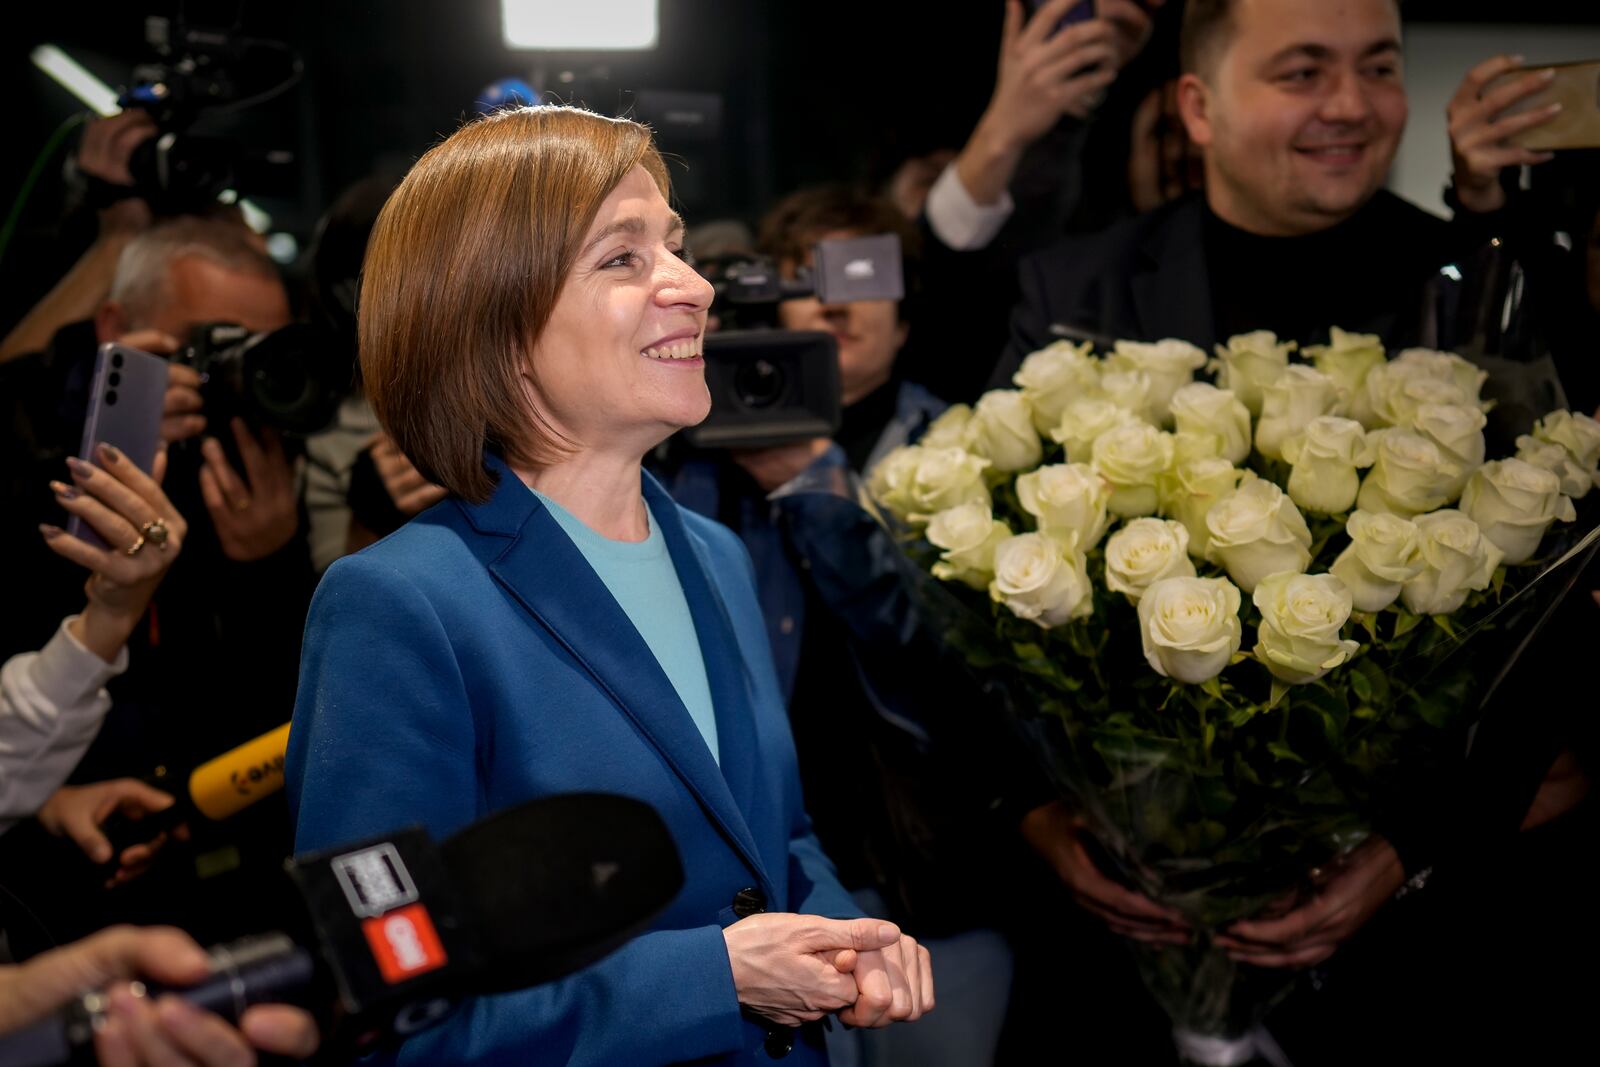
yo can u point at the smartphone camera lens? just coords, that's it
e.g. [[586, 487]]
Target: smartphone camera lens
[[111, 397], [114, 380], [116, 359]]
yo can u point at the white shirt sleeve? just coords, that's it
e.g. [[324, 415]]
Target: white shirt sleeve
[[51, 705], [960, 221]]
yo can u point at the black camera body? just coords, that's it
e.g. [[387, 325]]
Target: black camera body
[[179, 170], [290, 379], [772, 387], [769, 387]]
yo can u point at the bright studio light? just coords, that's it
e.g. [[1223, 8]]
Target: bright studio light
[[68, 73], [99, 97], [587, 26]]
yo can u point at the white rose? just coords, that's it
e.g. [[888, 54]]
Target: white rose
[[1249, 361], [1578, 434], [1419, 376], [1190, 446], [1053, 377], [1190, 627], [1458, 431], [1041, 579], [1066, 499], [1384, 553], [1199, 408], [1002, 432], [968, 535], [1323, 458], [1514, 503], [1301, 616], [1169, 363], [949, 430], [1575, 481], [1256, 531], [1084, 420], [915, 482], [1410, 475], [1456, 558], [1444, 366], [1348, 358], [1128, 388], [1299, 395], [1144, 552], [1191, 489], [1131, 457]]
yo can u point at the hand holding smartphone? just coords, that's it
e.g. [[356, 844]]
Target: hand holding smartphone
[[1576, 88], [125, 405]]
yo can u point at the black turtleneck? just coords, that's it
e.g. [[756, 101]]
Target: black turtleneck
[[864, 422], [1364, 273]]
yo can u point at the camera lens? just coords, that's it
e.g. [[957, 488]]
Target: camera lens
[[116, 359], [114, 379], [111, 397], [760, 384]]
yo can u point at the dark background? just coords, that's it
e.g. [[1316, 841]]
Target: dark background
[[822, 89]]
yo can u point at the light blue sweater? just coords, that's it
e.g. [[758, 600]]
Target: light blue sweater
[[644, 583]]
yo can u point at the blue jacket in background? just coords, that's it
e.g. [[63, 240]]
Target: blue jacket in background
[[473, 660]]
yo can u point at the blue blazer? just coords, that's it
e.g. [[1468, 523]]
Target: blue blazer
[[473, 660]]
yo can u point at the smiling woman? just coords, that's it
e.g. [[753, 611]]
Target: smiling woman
[[529, 331]]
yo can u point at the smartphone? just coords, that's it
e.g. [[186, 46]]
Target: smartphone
[[1081, 13], [125, 405], [1577, 125]]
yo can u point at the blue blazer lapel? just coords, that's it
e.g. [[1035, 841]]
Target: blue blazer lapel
[[732, 689], [544, 571]]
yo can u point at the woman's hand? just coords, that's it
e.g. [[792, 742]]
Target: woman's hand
[[78, 811], [894, 984], [1057, 835], [1311, 933], [127, 508], [783, 967], [411, 492]]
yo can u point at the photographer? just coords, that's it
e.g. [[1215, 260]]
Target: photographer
[[914, 834], [214, 661]]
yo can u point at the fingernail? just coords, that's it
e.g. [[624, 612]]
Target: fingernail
[[101, 853], [65, 491], [161, 448], [110, 453], [50, 533], [1519, 60], [888, 933], [1548, 74], [79, 468], [1553, 108]]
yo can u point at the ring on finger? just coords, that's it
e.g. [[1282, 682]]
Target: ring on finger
[[156, 532], [240, 505], [133, 549]]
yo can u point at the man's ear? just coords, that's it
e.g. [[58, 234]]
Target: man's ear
[[1194, 107], [110, 322]]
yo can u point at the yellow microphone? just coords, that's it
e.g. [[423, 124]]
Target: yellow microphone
[[218, 789]]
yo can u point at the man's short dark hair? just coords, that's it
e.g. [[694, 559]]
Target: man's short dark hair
[[1207, 25]]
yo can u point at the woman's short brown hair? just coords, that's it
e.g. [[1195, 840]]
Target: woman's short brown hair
[[465, 264]]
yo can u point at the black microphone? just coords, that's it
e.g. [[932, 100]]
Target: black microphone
[[398, 929]]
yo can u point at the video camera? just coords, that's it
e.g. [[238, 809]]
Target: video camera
[[197, 75], [291, 379], [770, 386]]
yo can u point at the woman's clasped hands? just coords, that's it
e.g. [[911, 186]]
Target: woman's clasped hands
[[794, 969]]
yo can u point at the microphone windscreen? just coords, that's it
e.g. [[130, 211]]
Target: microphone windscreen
[[558, 883], [236, 779]]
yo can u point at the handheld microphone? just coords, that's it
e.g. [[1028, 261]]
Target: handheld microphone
[[398, 929], [216, 790]]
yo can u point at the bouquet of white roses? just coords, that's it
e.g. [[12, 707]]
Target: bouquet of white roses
[[1228, 615]]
